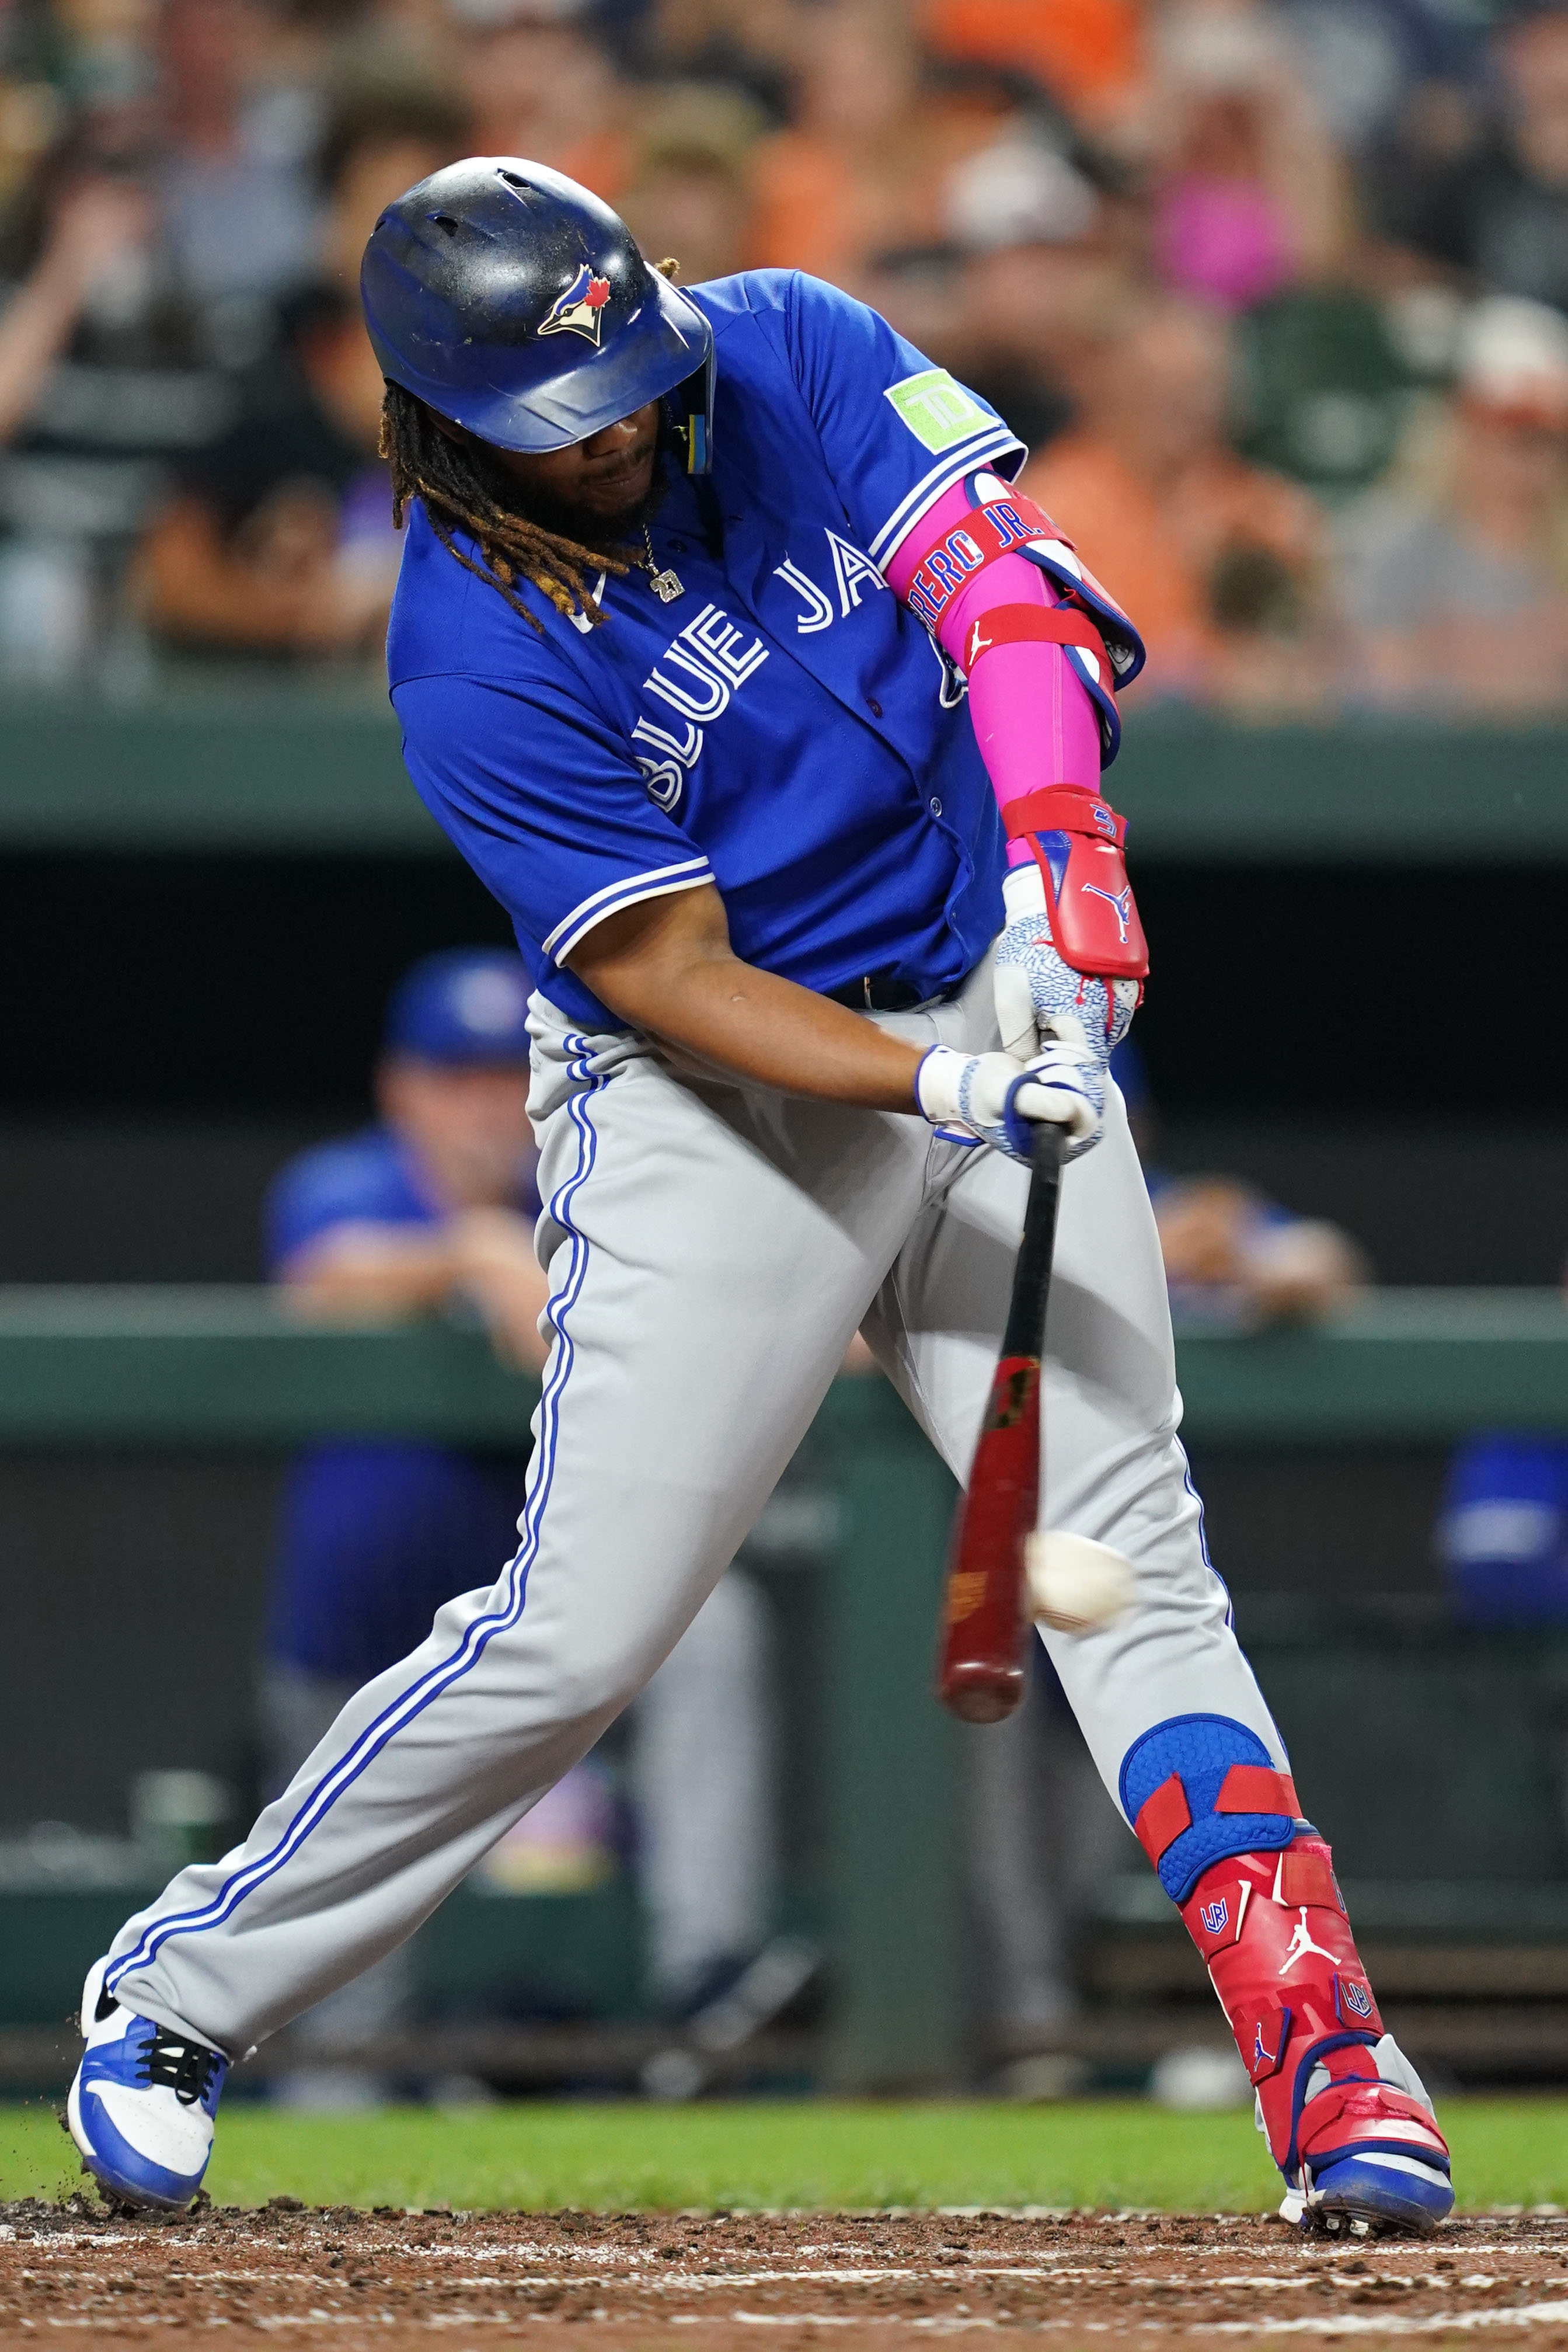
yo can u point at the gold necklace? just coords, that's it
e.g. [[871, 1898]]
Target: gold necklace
[[664, 585]]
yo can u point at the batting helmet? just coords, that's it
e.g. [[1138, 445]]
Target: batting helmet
[[512, 301]]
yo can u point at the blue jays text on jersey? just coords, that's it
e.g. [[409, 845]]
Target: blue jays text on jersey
[[782, 727]]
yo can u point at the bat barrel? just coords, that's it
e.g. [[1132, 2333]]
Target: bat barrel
[[978, 1691]]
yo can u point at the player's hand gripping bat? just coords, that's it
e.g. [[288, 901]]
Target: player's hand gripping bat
[[984, 1627]]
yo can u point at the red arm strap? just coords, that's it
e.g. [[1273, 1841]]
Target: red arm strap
[[1022, 625], [1065, 808]]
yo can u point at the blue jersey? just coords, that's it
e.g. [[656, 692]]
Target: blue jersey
[[375, 1534], [367, 1179], [783, 727]]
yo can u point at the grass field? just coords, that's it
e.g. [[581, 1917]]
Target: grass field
[[787, 2154]]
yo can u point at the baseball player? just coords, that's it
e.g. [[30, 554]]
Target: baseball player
[[693, 586]]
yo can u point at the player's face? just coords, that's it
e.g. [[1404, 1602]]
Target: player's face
[[607, 476], [468, 1123]]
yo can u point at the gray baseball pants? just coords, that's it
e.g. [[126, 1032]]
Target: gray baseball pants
[[712, 1250]]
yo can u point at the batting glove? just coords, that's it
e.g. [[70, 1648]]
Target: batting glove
[[999, 1098], [1037, 994]]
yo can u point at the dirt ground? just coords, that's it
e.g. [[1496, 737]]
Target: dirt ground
[[645, 2282]]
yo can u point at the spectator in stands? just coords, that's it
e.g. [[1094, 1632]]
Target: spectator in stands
[[1232, 1255], [1460, 592], [1324, 382], [1089, 58], [1383, 70], [385, 129], [1039, 279], [1251, 193], [238, 212], [753, 50], [863, 169], [691, 194], [1224, 564], [540, 84], [278, 540], [105, 376], [1499, 210], [99, 225]]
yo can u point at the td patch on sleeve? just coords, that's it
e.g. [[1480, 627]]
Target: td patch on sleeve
[[937, 411]]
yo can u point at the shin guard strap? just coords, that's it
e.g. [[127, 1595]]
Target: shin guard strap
[[1186, 1765], [1161, 1818], [1257, 1789]]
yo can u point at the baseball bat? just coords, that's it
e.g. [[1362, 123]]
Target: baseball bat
[[980, 1665]]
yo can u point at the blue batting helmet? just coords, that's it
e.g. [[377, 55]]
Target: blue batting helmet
[[512, 301]]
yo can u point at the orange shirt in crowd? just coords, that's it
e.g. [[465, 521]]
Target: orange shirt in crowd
[[1087, 53], [601, 160], [1156, 551], [830, 208]]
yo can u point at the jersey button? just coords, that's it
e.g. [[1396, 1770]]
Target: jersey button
[[873, 706], [935, 808]]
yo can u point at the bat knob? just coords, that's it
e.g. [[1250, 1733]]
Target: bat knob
[[978, 1693]]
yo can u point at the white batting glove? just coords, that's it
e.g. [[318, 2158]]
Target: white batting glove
[[1034, 987], [1046, 1011], [999, 1098]]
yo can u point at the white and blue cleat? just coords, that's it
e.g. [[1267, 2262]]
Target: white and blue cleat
[[1371, 2158], [1381, 2186], [144, 2101]]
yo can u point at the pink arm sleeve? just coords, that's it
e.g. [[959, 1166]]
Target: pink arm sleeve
[[1032, 715]]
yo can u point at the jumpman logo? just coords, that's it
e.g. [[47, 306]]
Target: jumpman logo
[[977, 644], [1301, 1945], [1122, 900]]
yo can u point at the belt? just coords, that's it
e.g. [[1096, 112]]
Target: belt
[[879, 993]]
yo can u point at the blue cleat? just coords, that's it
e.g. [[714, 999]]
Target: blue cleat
[[143, 2105], [1385, 2190]]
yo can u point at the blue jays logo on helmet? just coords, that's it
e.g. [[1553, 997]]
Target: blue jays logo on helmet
[[1215, 1915], [579, 309]]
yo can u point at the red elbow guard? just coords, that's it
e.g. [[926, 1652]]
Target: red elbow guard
[[1077, 842]]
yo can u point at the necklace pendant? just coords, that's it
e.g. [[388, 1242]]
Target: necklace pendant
[[665, 586]]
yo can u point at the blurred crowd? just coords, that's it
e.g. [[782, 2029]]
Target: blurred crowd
[[1276, 290]]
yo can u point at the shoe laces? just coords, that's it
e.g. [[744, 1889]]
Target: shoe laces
[[186, 2068]]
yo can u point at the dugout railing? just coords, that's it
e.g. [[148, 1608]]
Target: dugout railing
[[226, 765], [1472, 1731]]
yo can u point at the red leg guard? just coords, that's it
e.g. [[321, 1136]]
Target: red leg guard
[[1272, 1928]]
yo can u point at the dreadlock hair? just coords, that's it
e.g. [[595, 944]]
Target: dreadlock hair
[[460, 486]]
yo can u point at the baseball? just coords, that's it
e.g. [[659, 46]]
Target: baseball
[[1074, 1583]]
